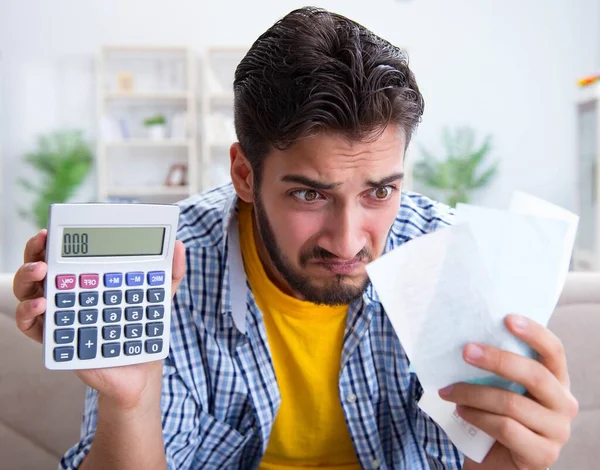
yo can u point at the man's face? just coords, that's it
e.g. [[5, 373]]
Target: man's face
[[324, 209]]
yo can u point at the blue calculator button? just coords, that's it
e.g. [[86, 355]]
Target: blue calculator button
[[132, 348], [156, 278], [156, 295], [134, 296], [154, 346], [155, 312], [134, 330], [88, 299], [64, 317], [111, 349], [88, 316], [87, 342], [113, 297], [64, 335], [111, 332], [113, 279], [155, 328], [135, 278], [111, 315], [64, 300], [134, 313], [64, 353]]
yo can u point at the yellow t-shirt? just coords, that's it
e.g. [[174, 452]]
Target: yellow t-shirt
[[306, 344]]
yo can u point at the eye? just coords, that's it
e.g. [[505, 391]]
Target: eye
[[306, 195], [383, 192]]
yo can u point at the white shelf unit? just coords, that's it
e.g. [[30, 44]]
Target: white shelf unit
[[134, 84], [216, 102], [586, 255]]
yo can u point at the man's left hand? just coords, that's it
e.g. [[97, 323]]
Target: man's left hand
[[530, 430]]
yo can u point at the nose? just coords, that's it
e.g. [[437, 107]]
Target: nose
[[344, 236]]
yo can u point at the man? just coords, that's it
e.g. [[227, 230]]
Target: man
[[281, 355]]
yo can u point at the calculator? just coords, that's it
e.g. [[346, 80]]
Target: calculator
[[108, 287]]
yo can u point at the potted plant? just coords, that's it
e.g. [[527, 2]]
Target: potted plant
[[462, 171], [63, 160], [156, 126]]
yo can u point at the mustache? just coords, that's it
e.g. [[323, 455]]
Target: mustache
[[321, 254]]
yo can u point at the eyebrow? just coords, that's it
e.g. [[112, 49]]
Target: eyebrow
[[315, 184], [387, 180]]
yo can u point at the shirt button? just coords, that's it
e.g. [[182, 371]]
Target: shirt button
[[375, 463], [351, 398]]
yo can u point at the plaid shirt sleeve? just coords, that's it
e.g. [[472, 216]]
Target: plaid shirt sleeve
[[441, 453]]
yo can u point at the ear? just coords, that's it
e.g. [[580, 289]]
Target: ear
[[241, 173]]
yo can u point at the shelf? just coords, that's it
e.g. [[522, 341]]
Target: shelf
[[150, 96], [148, 191], [147, 143]]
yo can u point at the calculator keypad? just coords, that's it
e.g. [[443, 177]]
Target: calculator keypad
[[86, 333]]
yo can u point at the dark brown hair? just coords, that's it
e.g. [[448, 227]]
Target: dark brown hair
[[316, 71]]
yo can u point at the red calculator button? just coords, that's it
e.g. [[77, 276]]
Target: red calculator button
[[89, 281], [65, 281]]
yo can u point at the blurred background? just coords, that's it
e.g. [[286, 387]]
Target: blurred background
[[131, 100]]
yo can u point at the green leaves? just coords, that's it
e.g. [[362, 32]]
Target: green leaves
[[62, 160], [460, 173], [157, 120]]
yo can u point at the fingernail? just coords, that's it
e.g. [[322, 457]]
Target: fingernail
[[520, 323], [31, 266], [473, 352], [446, 391], [34, 303]]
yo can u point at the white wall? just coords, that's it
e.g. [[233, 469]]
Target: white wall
[[504, 67]]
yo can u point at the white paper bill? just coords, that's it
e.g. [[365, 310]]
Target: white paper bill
[[455, 286]]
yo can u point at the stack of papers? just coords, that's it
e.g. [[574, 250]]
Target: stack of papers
[[456, 286]]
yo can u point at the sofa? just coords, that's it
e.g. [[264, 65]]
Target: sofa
[[40, 410]]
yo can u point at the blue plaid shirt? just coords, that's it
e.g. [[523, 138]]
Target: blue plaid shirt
[[220, 396]]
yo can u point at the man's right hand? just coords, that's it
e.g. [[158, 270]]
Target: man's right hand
[[124, 387]]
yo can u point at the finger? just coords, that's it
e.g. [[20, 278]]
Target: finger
[[532, 450], [27, 283], [35, 249], [549, 348], [29, 317], [178, 266], [501, 402], [536, 378]]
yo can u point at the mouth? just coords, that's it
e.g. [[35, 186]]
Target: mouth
[[340, 267]]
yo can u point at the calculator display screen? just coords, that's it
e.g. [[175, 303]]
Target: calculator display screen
[[111, 241]]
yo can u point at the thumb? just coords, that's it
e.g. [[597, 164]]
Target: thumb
[[178, 266]]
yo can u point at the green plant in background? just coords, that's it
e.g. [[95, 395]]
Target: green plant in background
[[63, 160], [157, 120], [463, 169]]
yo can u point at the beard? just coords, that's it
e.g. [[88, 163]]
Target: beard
[[339, 290]]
